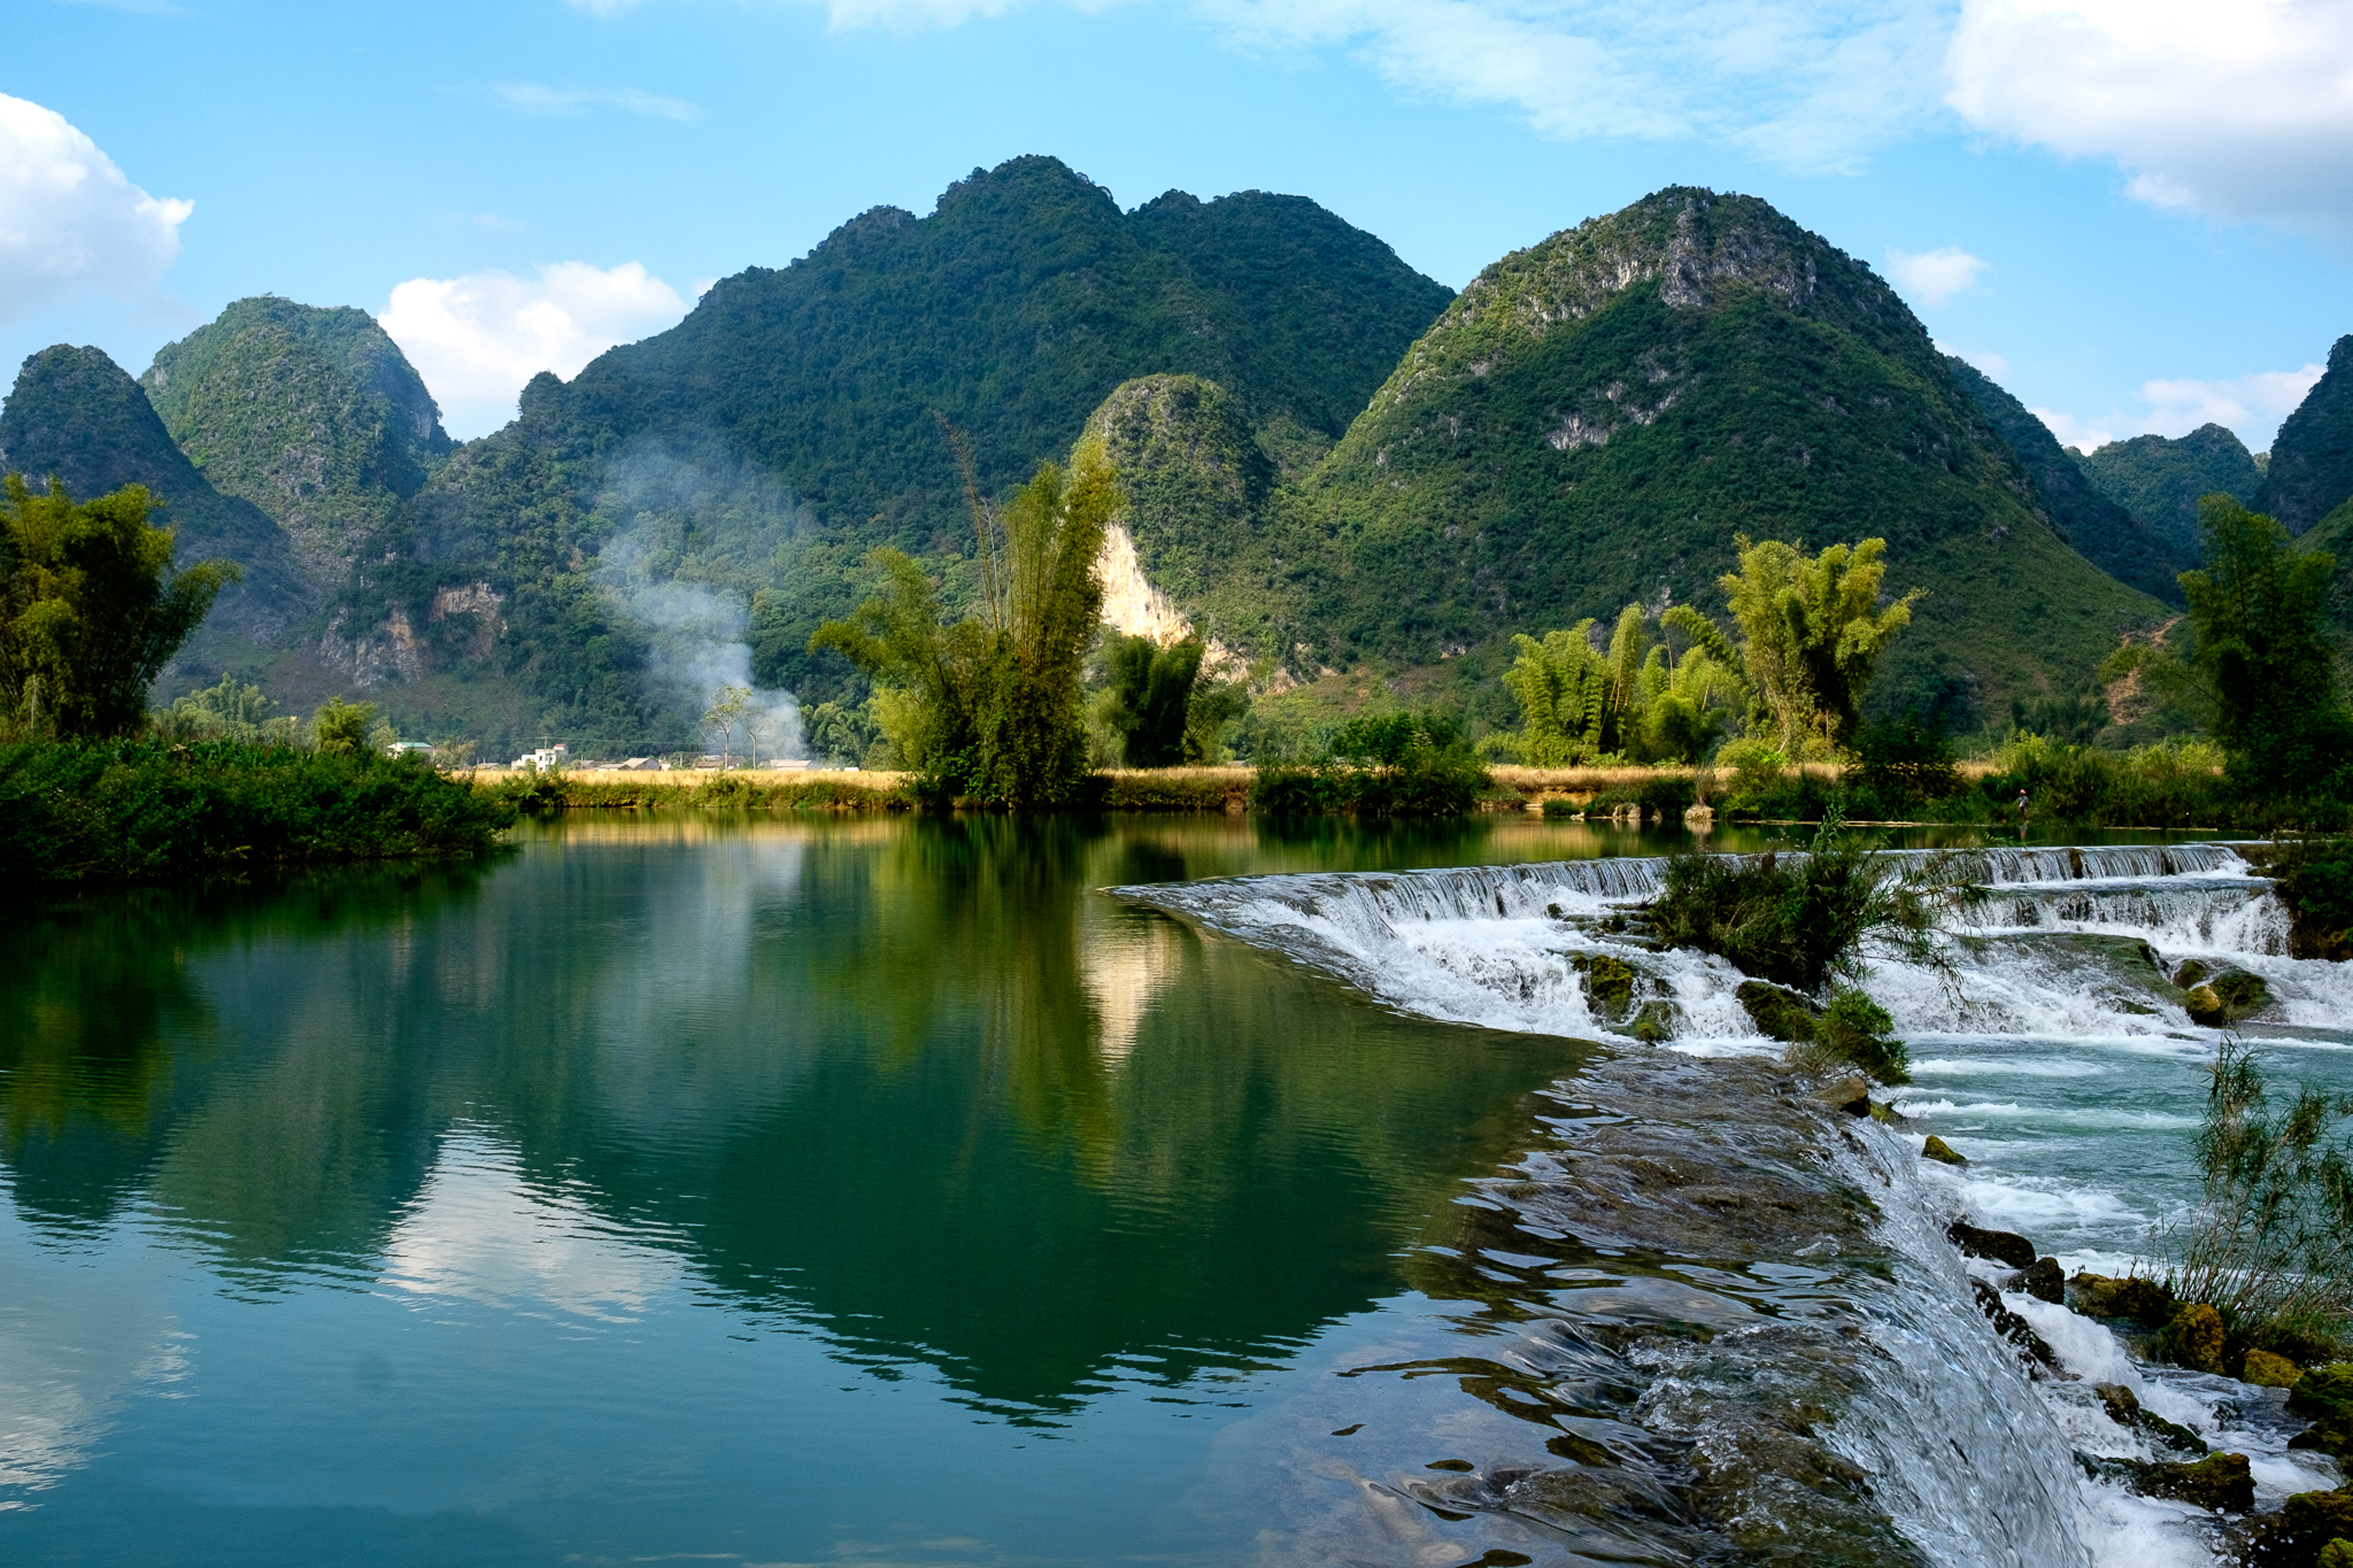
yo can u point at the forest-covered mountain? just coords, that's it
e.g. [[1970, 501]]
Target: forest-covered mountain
[[2111, 535], [2311, 468], [1593, 420], [313, 415], [2160, 479], [1330, 460], [76, 416]]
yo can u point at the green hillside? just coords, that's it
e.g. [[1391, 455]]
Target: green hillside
[[2159, 480], [1595, 417], [75, 414], [755, 453], [2109, 534], [2311, 470], [1329, 462], [313, 415]]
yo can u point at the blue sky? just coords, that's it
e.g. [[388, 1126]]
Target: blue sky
[[2135, 216]]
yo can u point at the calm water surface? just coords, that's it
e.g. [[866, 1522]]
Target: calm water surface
[[775, 1190]]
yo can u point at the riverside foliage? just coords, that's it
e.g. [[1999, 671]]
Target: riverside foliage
[[988, 708], [2271, 1248], [1804, 921], [113, 811], [90, 607]]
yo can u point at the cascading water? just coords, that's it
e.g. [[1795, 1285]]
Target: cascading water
[[1764, 1289]]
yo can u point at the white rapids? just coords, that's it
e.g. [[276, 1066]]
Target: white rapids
[[2055, 1055]]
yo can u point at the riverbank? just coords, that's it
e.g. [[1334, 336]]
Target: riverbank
[[75, 813], [1230, 788]]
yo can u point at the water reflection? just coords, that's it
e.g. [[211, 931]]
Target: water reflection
[[911, 1085]]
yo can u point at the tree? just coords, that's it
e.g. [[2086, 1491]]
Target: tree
[[2258, 611], [728, 710], [1811, 632], [1579, 703], [341, 728], [240, 713], [841, 734], [990, 707], [1151, 696], [90, 606]]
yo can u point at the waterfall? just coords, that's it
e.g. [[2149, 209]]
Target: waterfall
[[1971, 1462]]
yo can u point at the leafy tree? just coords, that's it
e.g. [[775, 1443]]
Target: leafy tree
[[1151, 696], [231, 710], [1811, 631], [730, 709], [90, 606], [989, 706], [340, 729], [2259, 612], [1579, 703], [841, 734]]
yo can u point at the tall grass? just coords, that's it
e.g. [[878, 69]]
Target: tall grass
[[2271, 1247]]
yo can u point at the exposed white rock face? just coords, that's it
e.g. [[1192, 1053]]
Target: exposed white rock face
[[1133, 605], [1130, 604]]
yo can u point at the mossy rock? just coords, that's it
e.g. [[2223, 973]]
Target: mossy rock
[[2299, 1535], [2000, 1246], [1778, 1013], [2325, 1397], [2144, 1301], [1944, 1154], [2265, 1370], [1610, 983], [2224, 1482], [2242, 993], [2337, 1554], [1653, 1023], [2226, 997], [2194, 1339], [2124, 1408]]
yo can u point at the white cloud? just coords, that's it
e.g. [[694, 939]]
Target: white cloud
[[1933, 277], [69, 221], [2256, 401], [2081, 434], [2239, 111], [2251, 404], [1806, 86], [1993, 365], [539, 98], [477, 339]]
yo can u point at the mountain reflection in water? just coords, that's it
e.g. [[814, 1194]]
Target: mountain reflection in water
[[908, 1089]]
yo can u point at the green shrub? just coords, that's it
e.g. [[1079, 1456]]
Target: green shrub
[[1904, 764], [1802, 921], [2271, 1248], [126, 811], [1402, 764], [1855, 1029], [2315, 882]]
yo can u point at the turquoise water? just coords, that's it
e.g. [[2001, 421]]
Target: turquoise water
[[887, 1192], [782, 1191]]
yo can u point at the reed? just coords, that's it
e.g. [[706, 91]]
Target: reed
[[2271, 1247]]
